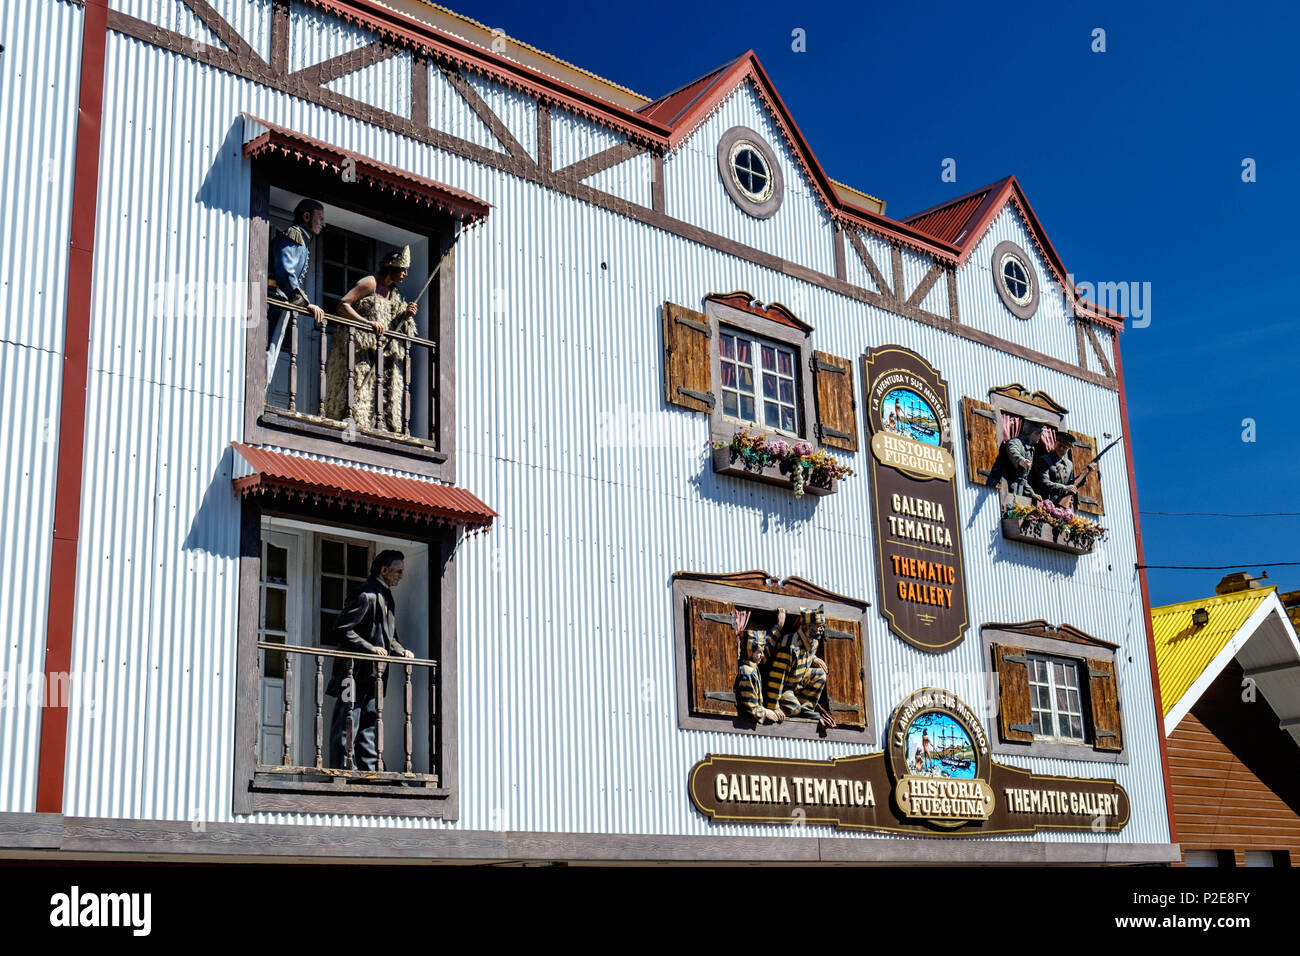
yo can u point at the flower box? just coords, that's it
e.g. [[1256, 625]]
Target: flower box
[[1017, 530], [1049, 525], [774, 474]]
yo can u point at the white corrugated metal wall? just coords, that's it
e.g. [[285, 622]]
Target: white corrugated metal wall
[[568, 699], [800, 231], [38, 121]]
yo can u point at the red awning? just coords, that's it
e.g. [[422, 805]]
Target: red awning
[[261, 138], [275, 472]]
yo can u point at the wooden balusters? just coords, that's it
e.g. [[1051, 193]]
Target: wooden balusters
[[406, 391], [320, 719], [379, 717], [407, 728], [380, 421], [352, 364], [324, 348], [293, 362], [288, 710], [348, 762]]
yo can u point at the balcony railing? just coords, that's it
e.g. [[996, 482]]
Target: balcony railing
[[382, 415], [294, 773]]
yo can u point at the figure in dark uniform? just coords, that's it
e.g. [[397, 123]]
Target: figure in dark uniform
[[287, 271], [366, 625], [1016, 456], [1052, 476]]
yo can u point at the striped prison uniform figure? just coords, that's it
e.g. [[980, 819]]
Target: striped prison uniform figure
[[749, 680], [795, 684]]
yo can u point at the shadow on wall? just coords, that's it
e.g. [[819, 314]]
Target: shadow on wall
[[225, 187], [214, 529]]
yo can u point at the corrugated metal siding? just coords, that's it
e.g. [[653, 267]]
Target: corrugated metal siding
[[29, 389], [517, 112], [386, 85], [568, 687], [315, 36], [251, 19], [630, 180], [171, 14], [449, 112], [574, 138], [915, 266], [37, 167], [857, 273], [1049, 330], [693, 191], [33, 304]]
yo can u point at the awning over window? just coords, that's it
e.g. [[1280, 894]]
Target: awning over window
[[260, 471], [262, 138]]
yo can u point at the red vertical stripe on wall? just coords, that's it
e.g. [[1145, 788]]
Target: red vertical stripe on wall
[[1146, 598], [72, 404]]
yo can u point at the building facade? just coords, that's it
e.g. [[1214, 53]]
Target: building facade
[[1230, 681], [683, 381]]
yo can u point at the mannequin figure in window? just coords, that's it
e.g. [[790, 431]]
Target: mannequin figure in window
[[1016, 457], [1053, 473], [366, 625], [798, 676], [287, 271], [749, 679], [375, 302]]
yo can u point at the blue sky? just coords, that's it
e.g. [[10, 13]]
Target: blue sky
[[1132, 158]]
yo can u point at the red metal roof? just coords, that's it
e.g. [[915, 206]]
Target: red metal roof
[[669, 108], [278, 472], [951, 221], [262, 137]]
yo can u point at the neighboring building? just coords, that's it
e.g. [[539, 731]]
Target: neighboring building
[[1230, 682], [627, 292]]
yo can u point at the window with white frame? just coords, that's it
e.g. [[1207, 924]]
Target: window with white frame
[[1055, 697], [759, 381]]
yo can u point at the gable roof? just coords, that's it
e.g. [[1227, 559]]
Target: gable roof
[[1250, 625], [964, 220], [665, 123]]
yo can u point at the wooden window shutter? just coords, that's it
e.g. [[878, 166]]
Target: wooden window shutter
[[1015, 710], [714, 656], [842, 652], [1089, 499], [837, 420], [688, 376], [983, 439], [1104, 692]]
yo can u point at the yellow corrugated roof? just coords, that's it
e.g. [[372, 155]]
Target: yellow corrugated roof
[[1183, 651]]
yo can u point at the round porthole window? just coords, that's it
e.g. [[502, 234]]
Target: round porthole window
[[750, 172], [1014, 279]]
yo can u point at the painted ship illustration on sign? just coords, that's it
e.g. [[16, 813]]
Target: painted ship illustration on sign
[[938, 746], [907, 413]]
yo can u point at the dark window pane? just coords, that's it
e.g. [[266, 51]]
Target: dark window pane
[[742, 352], [785, 364], [277, 564], [331, 556], [728, 375], [729, 405], [333, 280], [787, 392], [727, 346], [746, 379], [771, 415], [273, 613], [331, 592], [769, 358], [769, 386], [787, 419], [746, 408], [358, 561], [334, 245]]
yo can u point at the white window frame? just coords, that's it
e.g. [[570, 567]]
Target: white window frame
[[757, 342], [1052, 687]]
